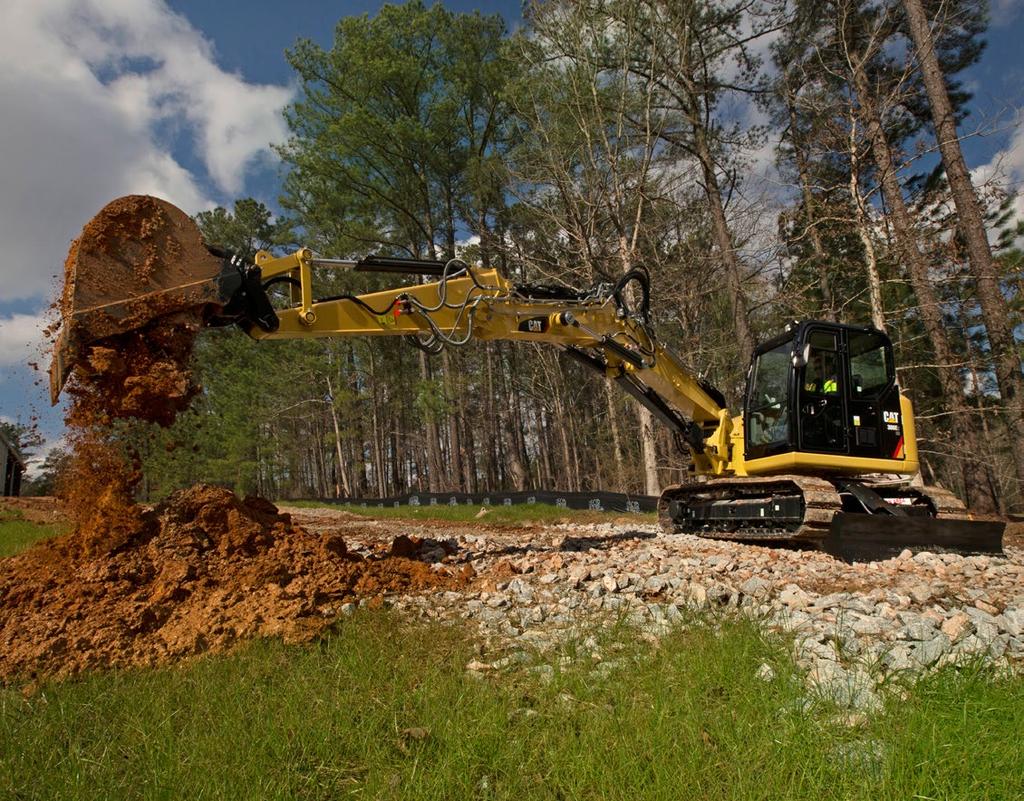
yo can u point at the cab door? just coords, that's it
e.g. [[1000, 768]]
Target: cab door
[[821, 388]]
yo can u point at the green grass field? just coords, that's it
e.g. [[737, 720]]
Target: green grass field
[[16, 534], [501, 515], [382, 708]]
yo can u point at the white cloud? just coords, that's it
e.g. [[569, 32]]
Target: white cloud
[[91, 89], [21, 339], [1006, 168], [40, 453], [1005, 11]]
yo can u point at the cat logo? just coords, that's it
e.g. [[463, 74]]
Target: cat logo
[[891, 417], [534, 325]]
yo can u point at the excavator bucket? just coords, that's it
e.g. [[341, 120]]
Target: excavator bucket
[[139, 259]]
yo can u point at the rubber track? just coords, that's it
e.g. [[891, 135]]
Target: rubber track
[[947, 505], [821, 503]]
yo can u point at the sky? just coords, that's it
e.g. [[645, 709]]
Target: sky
[[183, 99]]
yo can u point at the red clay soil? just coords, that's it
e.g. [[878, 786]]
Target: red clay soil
[[201, 572]]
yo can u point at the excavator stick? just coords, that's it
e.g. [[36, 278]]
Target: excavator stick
[[139, 259]]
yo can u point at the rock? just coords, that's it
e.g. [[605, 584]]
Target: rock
[[1012, 622], [578, 574], [929, 652], [720, 594], [985, 606], [698, 594], [844, 688], [794, 597], [918, 628], [956, 626], [899, 657], [869, 626], [755, 587], [765, 672], [920, 594], [654, 585], [610, 583]]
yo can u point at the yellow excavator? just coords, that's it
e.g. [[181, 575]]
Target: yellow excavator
[[823, 453]]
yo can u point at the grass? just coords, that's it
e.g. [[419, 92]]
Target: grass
[[16, 534], [516, 514], [382, 708]]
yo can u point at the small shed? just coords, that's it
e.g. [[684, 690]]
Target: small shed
[[12, 466]]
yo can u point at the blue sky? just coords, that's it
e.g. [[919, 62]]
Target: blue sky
[[182, 99]]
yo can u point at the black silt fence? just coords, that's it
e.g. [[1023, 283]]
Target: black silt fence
[[595, 501]]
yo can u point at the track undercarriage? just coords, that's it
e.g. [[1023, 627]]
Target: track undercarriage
[[850, 518]]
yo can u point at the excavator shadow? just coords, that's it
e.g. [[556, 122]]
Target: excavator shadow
[[576, 544], [603, 542]]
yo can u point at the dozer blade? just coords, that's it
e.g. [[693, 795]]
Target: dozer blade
[[140, 258], [864, 537]]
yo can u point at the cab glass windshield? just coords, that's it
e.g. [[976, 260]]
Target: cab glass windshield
[[768, 403], [870, 364]]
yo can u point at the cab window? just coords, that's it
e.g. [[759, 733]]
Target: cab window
[[821, 374], [870, 364], [769, 397]]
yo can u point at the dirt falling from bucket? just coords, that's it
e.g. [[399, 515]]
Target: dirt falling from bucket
[[142, 376]]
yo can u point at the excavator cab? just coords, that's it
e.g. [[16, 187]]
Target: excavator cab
[[823, 397]]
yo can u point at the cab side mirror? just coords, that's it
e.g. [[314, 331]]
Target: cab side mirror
[[801, 357]]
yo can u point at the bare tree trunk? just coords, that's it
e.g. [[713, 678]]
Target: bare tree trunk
[[864, 231], [543, 424], [517, 456], [613, 424], [492, 422], [810, 217], [990, 474], [454, 433], [724, 242], [343, 487], [967, 443], [971, 223], [652, 486], [435, 466]]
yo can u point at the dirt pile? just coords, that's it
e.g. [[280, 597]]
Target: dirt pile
[[202, 571]]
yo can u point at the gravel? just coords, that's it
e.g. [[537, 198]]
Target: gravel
[[854, 625]]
